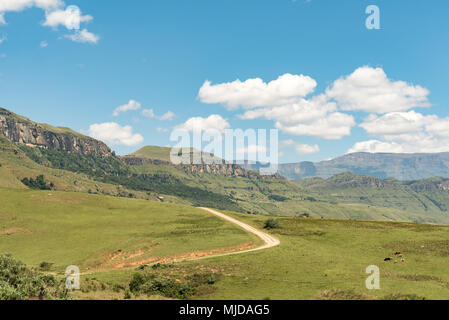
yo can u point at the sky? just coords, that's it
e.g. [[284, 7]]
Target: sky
[[130, 72]]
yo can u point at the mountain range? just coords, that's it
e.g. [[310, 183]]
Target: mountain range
[[41, 155], [381, 165]]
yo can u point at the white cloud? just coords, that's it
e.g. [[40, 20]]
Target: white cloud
[[256, 93], [369, 89], [302, 149], [55, 15], [376, 146], [315, 117], [167, 116], [405, 132], [44, 44], [212, 123], [83, 36], [20, 5], [252, 149], [396, 123], [149, 113], [115, 134], [3, 38], [131, 105], [71, 18]]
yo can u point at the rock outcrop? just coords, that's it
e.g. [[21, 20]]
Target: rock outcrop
[[224, 169], [20, 130]]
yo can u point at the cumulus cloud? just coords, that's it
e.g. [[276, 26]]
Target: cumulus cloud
[[131, 105], [256, 93], [167, 116], [286, 101], [20, 5], [83, 36], [71, 18], [214, 122], [114, 134], [43, 44], [55, 15], [369, 89], [405, 132], [303, 149], [300, 148], [149, 113], [314, 117], [396, 123]]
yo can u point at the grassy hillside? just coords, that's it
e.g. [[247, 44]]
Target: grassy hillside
[[100, 232], [15, 165], [153, 152], [320, 259], [427, 200], [111, 238], [161, 153]]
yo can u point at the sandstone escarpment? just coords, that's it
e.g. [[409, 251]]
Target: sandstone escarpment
[[23, 131]]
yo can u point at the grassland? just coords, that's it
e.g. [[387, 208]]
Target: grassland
[[327, 259], [110, 238], [100, 232]]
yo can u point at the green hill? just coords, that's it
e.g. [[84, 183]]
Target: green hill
[[153, 152], [427, 199]]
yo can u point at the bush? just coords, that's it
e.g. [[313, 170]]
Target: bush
[[45, 266], [17, 282], [136, 282], [127, 294], [39, 183], [272, 224]]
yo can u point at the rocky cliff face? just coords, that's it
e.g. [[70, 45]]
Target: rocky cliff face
[[22, 131], [224, 169]]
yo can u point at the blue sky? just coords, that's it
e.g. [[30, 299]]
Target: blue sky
[[160, 53]]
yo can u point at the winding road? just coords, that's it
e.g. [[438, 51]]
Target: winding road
[[269, 240]]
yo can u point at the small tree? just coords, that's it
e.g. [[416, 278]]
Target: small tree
[[272, 224]]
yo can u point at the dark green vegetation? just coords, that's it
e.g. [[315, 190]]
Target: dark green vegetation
[[17, 282], [272, 224], [148, 282], [380, 165], [38, 184]]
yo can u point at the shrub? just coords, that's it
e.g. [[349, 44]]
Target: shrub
[[136, 282], [45, 266], [127, 294], [39, 183], [17, 282], [272, 224]]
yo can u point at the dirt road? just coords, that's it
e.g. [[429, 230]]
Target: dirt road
[[269, 240]]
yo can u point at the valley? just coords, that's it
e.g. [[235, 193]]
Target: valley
[[139, 227]]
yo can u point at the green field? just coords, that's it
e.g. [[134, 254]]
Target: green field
[[109, 238], [101, 232], [327, 259]]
